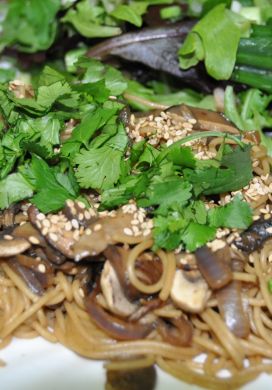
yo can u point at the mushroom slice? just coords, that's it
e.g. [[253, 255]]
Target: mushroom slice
[[28, 232], [76, 210], [60, 239], [113, 292], [190, 292], [13, 247], [100, 234], [205, 119]]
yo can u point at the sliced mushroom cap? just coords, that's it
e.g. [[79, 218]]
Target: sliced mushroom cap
[[104, 232], [190, 292], [28, 232], [29, 276], [113, 292], [60, 240], [77, 210], [205, 119], [118, 259], [13, 247]]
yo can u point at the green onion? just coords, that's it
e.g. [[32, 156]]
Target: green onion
[[257, 78]]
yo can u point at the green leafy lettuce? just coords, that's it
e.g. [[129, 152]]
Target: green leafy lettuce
[[214, 39]]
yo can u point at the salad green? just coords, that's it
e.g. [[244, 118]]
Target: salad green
[[42, 161]]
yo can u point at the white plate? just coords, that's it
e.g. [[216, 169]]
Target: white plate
[[39, 365]]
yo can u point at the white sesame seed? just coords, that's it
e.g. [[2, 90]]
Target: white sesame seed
[[70, 203], [269, 230], [81, 292], [75, 223], [87, 215], [88, 232], [76, 235], [192, 121], [135, 222], [53, 237], [135, 229], [54, 219], [40, 216], [146, 232], [128, 231], [45, 231], [34, 240], [81, 216], [97, 227], [81, 205], [41, 268], [68, 226], [8, 237], [46, 223]]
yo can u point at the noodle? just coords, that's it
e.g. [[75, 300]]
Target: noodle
[[60, 315]]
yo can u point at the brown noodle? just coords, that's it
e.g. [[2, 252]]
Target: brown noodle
[[23, 314]]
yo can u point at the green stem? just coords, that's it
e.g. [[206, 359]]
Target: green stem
[[257, 78], [256, 52]]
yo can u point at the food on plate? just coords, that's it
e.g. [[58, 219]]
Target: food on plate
[[136, 186], [171, 263]]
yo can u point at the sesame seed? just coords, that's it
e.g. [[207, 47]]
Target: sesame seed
[[54, 219], [81, 292], [135, 229], [135, 222], [92, 212], [70, 203], [41, 268], [97, 227], [128, 231], [267, 216], [140, 218], [39, 225], [81, 205], [269, 230], [73, 210], [75, 223], [81, 216], [68, 226], [40, 216], [87, 215], [88, 232], [8, 237], [53, 237], [76, 235], [46, 223], [146, 232], [34, 240], [192, 121]]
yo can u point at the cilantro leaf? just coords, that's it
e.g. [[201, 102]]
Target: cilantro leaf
[[196, 235], [100, 168], [96, 71], [168, 195], [168, 231], [234, 173], [13, 189], [236, 214], [52, 187]]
